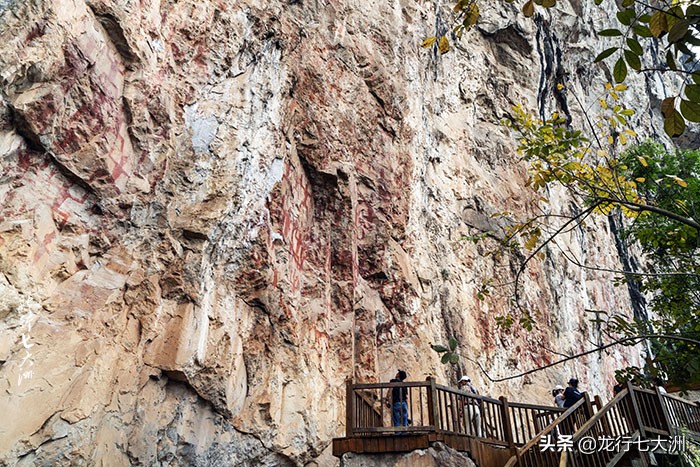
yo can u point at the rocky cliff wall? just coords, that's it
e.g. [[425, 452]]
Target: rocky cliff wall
[[214, 213]]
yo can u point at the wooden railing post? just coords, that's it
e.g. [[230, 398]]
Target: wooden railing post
[[432, 403], [635, 410], [598, 402], [664, 410], [599, 406], [588, 407], [349, 409], [507, 427]]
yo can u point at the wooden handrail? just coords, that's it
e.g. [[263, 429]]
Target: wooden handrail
[[600, 415], [635, 412], [549, 408], [681, 400], [403, 384], [536, 440]]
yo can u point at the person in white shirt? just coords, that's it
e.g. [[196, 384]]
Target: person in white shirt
[[660, 385], [558, 393], [471, 406]]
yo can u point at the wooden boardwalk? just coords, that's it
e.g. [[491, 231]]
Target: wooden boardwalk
[[508, 433]]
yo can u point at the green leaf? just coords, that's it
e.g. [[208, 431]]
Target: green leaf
[[671, 61], [658, 24], [692, 92], [438, 348], [454, 358], [605, 54], [690, 110], [696, 77], [635, 46], [633, 60], [529, 8], [678, 31], [620, 71], [668, 106], [626, 3], [610, 33], [626, 16], [453, 343], [642, 30], [693, 11], [598, 2], [445, 358], [548, 3], [674, 125]]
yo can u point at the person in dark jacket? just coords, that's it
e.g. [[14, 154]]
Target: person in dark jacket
[[399, 404], [571, 393], [617, 389]]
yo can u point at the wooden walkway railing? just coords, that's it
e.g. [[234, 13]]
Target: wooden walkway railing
[[531, 455], [635, 414], [510, 433], [436, 408]]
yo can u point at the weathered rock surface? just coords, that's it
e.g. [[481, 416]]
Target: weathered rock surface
[[214, 213], [438, 455]]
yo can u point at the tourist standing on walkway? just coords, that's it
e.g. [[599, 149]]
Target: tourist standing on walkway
[[659, 383], [617, 389], [399, 401], [471, 406], [558, 393], [572, 394]]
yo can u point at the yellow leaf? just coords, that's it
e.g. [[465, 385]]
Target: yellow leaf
[[428, 42], [623, 139], [472, 15], [608, 86], [443, 45], [560, 86], [679, 181], [630, 132], [603, 103], [529, 8], [620, 87], [610, 140], [640, 179], [643, 161], [531, 242]]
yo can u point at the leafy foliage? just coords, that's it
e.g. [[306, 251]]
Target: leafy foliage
[[657, 190], [673, 24], [466, 14], [669, 180], [449, 352]]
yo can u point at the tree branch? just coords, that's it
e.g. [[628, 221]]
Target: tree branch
[[646, 207], [582, 354]]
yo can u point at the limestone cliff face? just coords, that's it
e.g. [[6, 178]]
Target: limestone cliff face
[[213, 213]]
